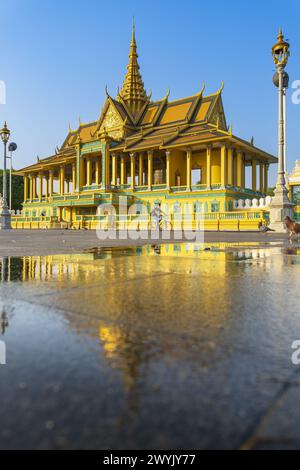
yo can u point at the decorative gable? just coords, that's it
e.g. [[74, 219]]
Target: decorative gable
[[217, 115], [112, 123]]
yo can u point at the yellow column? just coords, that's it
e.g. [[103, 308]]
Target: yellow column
[[243, 171], [150, 169], [107, 166], [122, 170], [73, 177], [141, 161], [82, 173], [114, 170], [261, 177], [62, 179], [254, 184], [223, 166], [98, 171], [40, 186], [132, 170], [230, 166], [239, 171], [208, 166], [31, 187], [266, 178], [88, 172], [50, 182], [47, 185], [25, 188], [34, 187], [188, 169], [168, 156]]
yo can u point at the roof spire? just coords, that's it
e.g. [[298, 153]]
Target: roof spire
[[133, 92], [133, 32]]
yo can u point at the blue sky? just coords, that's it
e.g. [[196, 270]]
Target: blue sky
[[58, 56]]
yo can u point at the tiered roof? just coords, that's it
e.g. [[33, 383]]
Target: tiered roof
[[134, 123]]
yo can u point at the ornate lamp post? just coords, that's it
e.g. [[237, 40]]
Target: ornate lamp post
[[11, 148], [280, 205], [5, 217]]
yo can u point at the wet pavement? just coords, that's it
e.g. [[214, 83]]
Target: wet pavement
[[45, 242], [174, 346]]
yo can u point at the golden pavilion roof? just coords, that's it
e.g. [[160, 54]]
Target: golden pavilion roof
[[132, 122]]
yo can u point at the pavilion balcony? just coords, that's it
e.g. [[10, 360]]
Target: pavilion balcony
[[91, 187], [141, 188]]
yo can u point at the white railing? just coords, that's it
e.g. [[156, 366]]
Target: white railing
[[262, 203]]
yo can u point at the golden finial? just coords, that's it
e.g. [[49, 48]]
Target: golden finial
[[133, 92], [70, 130], [79, 120], [133, 31], [222, 87], [167, 94], [230, 129], [202, 89]]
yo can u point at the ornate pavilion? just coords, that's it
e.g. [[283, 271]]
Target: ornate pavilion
[[172, 152]]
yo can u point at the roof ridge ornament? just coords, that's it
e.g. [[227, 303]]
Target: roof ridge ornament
[[202, 89], [221, 88], [167, 94]]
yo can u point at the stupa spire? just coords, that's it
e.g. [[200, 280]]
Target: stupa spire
[[133, 92]]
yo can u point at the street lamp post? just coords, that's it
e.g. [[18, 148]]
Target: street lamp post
[[11, 148], [280, 206], [5, 217]]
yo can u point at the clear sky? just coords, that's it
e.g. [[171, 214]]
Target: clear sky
[[57, 57]]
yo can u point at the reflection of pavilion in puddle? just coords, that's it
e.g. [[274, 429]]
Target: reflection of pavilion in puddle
[[82, 267], [166, 329], [4, 323]]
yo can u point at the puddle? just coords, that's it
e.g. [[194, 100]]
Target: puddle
[[113, 345], [15, 269]]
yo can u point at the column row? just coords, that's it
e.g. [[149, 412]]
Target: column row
[[39, 185]]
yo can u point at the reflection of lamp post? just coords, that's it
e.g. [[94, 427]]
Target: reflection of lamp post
[[5, 222], [11, 148], [280, 206]]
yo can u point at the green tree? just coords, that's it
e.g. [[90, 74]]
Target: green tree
[[17, 190]]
